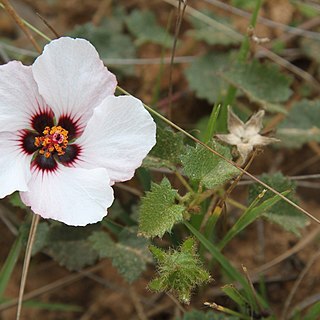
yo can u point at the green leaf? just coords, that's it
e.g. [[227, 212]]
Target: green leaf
[[282, 213], [199, 164], [143, 25], [70, 247], [244, 4], [209, 34], [232, 272], [8, 266], [249, 216], [109, 40], [261, 83], [167, 150], [314, 312], [15, 200], [301, 125], [202, 76], [130, 255], [158, 211], [311, 48], [234, 294], [180, 271], [41, 238]]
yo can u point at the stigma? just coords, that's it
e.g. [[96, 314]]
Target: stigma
[[54, 140]]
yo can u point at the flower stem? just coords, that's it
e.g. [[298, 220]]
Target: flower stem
[[26, 262], [242, 56]]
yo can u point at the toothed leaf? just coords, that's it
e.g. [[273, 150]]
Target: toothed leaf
[[158, 211], [201, 165], [179, 271], [282, 213], [130, 255]]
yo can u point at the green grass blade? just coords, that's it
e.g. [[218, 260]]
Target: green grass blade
[[233, 273], [314, 312], [212, 124], [250, 215], [235, 295], [9, 264]]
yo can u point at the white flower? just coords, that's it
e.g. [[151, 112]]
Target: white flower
[[245, 135], [64, 137]]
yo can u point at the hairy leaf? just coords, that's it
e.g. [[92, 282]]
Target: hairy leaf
[[143, 25], [158, 211], [70, 246], [210, 34], [261, 83], [211, 171], [282, 212], [167, 150], [15, 200], [109, 40], [203, 78], [130, 255], [301, 125], [180, 271]]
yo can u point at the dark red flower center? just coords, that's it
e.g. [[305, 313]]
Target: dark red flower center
[[51, 143]]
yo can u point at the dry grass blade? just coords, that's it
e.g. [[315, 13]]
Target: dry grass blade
[[181, 10], [14, 15], [296, 285], [299, 246], [26, 262]]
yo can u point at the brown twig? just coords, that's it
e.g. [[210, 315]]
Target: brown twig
[[26, 262], [15, 16], [299, 246], [137, 304], [181, 10], [48, 25], [297, 283]]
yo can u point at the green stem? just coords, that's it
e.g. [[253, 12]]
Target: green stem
[[242, 56], [9, 264]]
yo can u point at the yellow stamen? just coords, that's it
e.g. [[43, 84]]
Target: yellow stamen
[[54, 139]]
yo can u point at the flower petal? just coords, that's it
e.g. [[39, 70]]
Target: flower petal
[[117, 137], [259, 140], [235, 125], [72, 78], [244, 150], [14, 165], [74, 196], [20, 100], [254, 124], [229, 138]]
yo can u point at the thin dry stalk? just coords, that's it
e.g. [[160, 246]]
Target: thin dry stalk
[[48, 25], [26, 262], [297, 283], [15, 16], [298, 247], [181, 10], [137, 304]]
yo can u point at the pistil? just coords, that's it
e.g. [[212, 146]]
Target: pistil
[[54, 139]]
